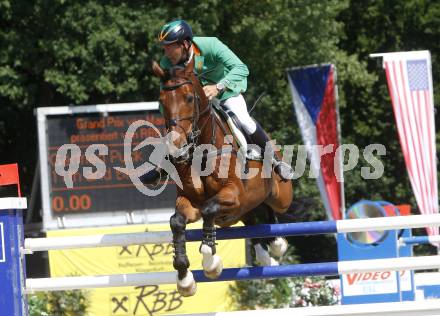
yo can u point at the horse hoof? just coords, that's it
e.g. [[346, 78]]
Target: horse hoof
[[273, 262], [262, 257], [214, 269], [187, 291], [187, 286], [267, 261], [278, 247]]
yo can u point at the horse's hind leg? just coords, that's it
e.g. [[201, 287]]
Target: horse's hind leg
[[185, 280], [262, 255], [212, 264], [277, 245], [260, 245]]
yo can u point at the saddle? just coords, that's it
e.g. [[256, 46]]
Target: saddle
[[238, 132]]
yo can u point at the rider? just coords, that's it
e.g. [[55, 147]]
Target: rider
[[222, 74]]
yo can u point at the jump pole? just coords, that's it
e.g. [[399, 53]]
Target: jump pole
[[233, 274], [419, 240], [12, 242], [257, 231], [425, 308]]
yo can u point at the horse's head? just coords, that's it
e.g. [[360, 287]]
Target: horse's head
[[181, 97]]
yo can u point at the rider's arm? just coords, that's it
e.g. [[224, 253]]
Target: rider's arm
[[236, 78]]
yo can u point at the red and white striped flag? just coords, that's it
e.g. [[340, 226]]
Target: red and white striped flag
[[410, 86]]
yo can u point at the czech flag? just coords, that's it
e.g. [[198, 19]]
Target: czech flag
[[315, 105]]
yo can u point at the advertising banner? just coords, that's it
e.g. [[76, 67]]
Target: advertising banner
[[144, 300]]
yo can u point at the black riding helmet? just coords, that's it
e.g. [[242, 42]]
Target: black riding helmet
[[175, 31]]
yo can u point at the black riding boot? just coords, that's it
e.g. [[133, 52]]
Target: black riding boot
[[260, 138]]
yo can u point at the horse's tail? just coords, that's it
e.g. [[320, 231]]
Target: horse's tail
[[300, 210]]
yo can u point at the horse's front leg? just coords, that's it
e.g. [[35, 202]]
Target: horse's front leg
[[185, 280], [226, 199], [184, 213], [212, 264]]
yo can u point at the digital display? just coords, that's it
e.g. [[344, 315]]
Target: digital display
[[112, 190]]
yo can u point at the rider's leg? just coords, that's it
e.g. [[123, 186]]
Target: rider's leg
[[237, 105], [283, 169]]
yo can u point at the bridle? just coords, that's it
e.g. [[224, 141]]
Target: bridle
[[192, 137]]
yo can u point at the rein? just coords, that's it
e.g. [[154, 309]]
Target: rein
[[194, 134]]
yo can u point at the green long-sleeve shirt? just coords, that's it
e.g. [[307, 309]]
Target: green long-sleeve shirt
[[215, 62]]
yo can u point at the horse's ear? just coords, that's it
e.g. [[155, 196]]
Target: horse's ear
[[159, 72]]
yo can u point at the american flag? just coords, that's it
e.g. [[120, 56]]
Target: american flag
[[410, 86]]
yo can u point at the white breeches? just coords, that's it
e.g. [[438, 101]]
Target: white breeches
[[238, 106]]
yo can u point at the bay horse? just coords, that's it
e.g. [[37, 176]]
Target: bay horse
[[221, 197]]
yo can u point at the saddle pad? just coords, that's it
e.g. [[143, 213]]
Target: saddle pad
[[238, 132]]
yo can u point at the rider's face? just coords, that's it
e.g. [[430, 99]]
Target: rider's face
[[174, 52]]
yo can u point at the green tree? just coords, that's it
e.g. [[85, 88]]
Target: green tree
[[88, 52], [60, 53], [59, 303], [271, 36], [407, 25], [282, 292]]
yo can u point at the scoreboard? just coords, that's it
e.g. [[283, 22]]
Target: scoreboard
[[93, 139]]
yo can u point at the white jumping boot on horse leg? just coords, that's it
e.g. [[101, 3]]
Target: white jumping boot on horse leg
[[187, 286], [212, 264], [263, 258], [278, 247]]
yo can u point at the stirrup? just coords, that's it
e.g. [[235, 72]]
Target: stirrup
[[284, 170]]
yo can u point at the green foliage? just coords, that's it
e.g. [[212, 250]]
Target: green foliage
[[267, 293], [367, 116], [261, 294], [76, 52], [91, 51], [313, 291], [283, 292], [375, 27], [37, 305], [58, 303]]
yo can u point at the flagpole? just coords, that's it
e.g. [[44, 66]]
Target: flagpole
[[338, 127]]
